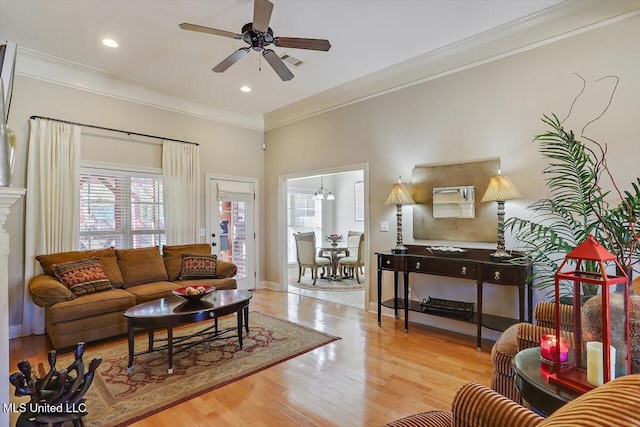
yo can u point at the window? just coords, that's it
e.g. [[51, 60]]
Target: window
[[304, 214], [121, 209]]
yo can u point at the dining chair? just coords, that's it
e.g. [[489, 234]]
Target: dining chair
[[353, 240], [353, 261], [306, 256]]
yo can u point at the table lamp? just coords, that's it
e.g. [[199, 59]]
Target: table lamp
[[399, 196], [500, 189]]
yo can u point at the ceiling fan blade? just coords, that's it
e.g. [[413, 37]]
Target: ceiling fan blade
[[262, 15], [201, 29], [276, 63], [230, 60], [298, 43]]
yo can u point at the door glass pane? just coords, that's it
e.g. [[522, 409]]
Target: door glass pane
[[233, 235]]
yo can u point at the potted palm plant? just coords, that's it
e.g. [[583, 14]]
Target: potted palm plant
[[576, 207]]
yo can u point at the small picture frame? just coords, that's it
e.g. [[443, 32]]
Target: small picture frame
[[358, 191]]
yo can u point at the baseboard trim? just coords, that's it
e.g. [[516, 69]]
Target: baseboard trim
[[15, 331]]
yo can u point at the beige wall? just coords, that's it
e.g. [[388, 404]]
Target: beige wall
[[490, 111], [224, 149]]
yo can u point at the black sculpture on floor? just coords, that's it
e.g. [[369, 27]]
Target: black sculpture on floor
[[58, 397]]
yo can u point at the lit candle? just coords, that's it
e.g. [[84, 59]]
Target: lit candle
[[595, 369], [548, 345]]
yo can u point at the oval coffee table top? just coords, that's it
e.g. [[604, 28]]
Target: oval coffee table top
[[176, 306]]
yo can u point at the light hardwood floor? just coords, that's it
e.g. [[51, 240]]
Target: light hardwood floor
[[371, 376]]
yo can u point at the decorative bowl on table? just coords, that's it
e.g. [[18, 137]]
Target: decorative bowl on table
[[334, 239], [193, 293]]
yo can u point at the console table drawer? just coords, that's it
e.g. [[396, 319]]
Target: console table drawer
[[390, 262], [462, 269], [500, 275]]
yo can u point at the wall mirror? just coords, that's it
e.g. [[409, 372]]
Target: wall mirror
[[454, 202], [447, 206]]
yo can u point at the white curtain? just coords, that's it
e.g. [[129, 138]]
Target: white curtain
[[181, 189], [53, 203]]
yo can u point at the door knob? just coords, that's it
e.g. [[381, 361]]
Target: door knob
[[213, 234], [214, 244]]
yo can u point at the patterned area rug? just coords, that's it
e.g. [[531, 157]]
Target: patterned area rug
[[117, 398], [306, 282]]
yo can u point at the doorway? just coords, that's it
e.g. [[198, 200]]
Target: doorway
[[326, 202], [231, 225]]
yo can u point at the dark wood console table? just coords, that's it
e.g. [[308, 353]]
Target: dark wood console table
[[473, 264]]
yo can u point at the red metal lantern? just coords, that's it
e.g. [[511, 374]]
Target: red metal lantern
[[590, 364]]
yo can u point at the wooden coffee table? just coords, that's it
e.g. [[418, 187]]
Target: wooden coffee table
[[167, 313]]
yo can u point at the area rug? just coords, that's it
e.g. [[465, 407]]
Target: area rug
[[306, 282], [118, 398]]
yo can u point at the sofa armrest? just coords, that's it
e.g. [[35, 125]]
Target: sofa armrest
[[46, 291], [477, 405], [225, 269]]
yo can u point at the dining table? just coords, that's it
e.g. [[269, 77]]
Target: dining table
[[334, 251]]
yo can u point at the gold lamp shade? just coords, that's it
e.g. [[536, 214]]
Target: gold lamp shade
[[500, 188], [400, 195]]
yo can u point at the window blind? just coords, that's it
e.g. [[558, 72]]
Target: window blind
[[121, 209]]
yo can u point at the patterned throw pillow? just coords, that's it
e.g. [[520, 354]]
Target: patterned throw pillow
[[198, 266], [82, 277]]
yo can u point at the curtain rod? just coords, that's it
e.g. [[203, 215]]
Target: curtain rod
[[114, 130]]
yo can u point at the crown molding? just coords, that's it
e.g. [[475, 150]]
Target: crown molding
[[58, 71], [555, 23]]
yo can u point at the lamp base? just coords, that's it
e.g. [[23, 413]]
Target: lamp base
[[400, 251], [500, 255]]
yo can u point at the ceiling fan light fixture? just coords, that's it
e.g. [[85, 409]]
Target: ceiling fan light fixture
[[245, 89], [110, 43]]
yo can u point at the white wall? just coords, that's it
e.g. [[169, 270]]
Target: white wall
[[490, 111], [224, 149]]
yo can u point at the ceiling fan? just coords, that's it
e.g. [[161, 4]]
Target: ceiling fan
[[258, 35]]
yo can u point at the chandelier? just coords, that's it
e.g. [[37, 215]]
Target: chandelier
[[322, 193]]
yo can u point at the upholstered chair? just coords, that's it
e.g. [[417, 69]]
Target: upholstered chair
[[520, 336], [353, 261], [306, 255], [614, 404]]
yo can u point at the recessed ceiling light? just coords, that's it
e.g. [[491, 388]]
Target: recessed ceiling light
[[110, 43], [245, 89]]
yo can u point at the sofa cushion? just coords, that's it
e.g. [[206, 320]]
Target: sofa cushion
[[86, 306], [141, 265], [172, 255], [198, 266], [151, 291], [82, 277], [106, 256]]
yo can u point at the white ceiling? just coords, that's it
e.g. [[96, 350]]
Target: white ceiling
[[366, 37]]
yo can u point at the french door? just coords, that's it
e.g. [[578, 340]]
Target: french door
[[231, 226]]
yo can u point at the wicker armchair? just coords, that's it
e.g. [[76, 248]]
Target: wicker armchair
[[614, 404], [521, 336]]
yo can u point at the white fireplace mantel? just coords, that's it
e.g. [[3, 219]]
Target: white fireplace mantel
[[9, 196]]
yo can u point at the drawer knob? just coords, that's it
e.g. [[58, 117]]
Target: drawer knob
[[418, 265], [464, 271], [496, 275], [388, 262]]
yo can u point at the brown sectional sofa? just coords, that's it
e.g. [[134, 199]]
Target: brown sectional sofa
[[136, 275]]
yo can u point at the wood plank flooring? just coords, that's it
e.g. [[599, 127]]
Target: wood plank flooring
[[371, 376]]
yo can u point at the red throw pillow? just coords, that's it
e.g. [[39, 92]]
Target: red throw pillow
[[82, 277], [198, 266]]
